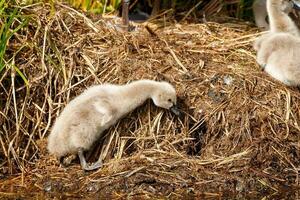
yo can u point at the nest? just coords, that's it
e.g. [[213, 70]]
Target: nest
[[239, 133]]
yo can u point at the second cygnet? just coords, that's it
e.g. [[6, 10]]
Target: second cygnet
[[279, 55], [278, 51]]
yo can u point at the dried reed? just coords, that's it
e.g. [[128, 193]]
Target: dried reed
[[239, 133]]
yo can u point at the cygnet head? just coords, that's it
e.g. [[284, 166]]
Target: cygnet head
[[296, 4], [164, 96]]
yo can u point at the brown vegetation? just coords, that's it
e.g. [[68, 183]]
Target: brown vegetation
[[239, 133]]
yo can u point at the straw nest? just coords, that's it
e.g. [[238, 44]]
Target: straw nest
[[239, 134]]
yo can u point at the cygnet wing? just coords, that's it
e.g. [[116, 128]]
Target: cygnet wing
[[105, 110]]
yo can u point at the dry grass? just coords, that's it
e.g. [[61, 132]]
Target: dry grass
[[239, 134]]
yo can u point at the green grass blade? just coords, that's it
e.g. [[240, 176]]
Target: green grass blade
[[6, 33], [22, 75], [2, 6]]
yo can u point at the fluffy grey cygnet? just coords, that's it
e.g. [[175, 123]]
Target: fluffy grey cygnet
[[278, 52], [280, 21], [279, 55], [85, 118]]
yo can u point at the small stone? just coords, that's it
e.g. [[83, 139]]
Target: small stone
[[228, 80], [239, 187], [92, 187], [47, 187], [191, 190]]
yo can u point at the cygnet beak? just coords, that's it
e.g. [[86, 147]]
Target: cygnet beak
[[175, 110], [296, 5]]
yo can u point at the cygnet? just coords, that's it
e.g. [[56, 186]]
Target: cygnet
[[279, 19], [279, 56], [85, 118]]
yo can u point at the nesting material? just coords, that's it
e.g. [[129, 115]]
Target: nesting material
[[250, 145]]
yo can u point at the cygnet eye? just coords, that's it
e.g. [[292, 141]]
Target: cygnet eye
[[170, 100]]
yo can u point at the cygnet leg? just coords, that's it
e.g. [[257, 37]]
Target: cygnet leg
[[84, 165]]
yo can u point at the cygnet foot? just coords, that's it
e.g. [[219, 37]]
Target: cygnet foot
[[88, 167], [93, 166]]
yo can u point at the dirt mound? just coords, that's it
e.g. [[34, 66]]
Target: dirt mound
[[239, 133]]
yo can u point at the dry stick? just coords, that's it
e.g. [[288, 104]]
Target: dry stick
[[184, 70], [32, 5], [12, 150], [72, 86], [191, 10], [134, 171], [3, 145], [155, 124], [174, 148], [64, 25], [288, 111], [16, 137], [70, 75], [44, 47], [4, 75], [121, 144], [89, 22], [151, 31], [37, 124], [296, 125], [104, 153], [6, 111], [50, 110], [265, 174], [59, 55], [70, 78], [104, 7], [211, 7], [75, 44], [157, 16], [28, 143], [32, 133], [39, 25], [133, 4], [293, 166], [13, 75], [267, 185], [91, 67], [177, 60]]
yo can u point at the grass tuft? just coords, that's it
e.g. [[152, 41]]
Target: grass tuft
[[11, 21]]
